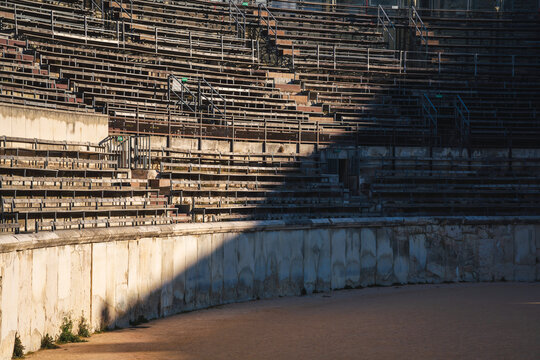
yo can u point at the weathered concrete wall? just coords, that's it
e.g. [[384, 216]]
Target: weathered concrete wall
[[114, 276], [47, 124]]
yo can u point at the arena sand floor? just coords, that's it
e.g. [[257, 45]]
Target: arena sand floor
[[457, 321]]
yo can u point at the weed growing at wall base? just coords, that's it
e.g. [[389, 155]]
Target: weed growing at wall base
[[84, 330], [66, 333], [47, 342], [18, 348]]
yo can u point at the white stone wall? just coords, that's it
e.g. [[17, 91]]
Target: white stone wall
[[114, 276], [48, 124]]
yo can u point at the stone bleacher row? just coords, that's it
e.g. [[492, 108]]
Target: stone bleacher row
[[55, 185], [229, 185], [345, 79], [482, 186], [337, 81], [484, 74]]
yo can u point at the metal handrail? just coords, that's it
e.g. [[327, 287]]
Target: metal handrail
[[96, 5], [465, 109], [416, 19], [211, 99], [430, 111], [130, 13], [181, 97], [237, 15], [462, 117], [382, 17], [269, 17], [195, 105]]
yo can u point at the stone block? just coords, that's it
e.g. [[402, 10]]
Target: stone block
[[352, 258], [417, 258], [401, 254], [368, 256], [338, 248], [385, 258]]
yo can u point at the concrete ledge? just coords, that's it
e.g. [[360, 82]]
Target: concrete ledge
[[72, 237], [50, 124]]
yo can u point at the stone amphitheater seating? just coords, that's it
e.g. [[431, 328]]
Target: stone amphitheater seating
[[218, 185], [304, 75], [496, 185], [54, 185]]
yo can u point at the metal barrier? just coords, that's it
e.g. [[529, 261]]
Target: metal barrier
[[117, 145], [268, 21], [430, 113], [131, 151], [195, 101], [383, 19], [239, 18], [419, 27], [463, 118]]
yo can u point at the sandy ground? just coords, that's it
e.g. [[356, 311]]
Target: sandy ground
[[460, 321]]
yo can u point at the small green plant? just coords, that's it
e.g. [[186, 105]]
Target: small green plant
[[47, 342], [18, 348], [66, 333], [84, 330]]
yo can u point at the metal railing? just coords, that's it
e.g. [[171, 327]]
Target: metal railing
[[94, 5], [239, 18], [383, 19], [267, 20], [463, 118], [195, 101], [430, 113], [131, 151], [185, 97], [210, 96], [140, 152], [124, 11], [117, 145], [420, 29]]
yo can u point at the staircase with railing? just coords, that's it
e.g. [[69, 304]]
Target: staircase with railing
[[388, 26], [419, 27], [239, 18]]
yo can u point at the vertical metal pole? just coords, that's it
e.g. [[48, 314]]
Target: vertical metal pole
[[15, 19], [405, 61], [475, 64], [156, 38], [334, 50], [275, 26], [245, 28], [52, 24], [513, 64], [439, 62], [137, 118], [221, 47], [118, 32], [190, 46], [85, 30], [368, 59], [317, 56], [292, 46]]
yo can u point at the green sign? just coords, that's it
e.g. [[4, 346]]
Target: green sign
[[245, 3], [184, 79], [120, 138], [438, 96]]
